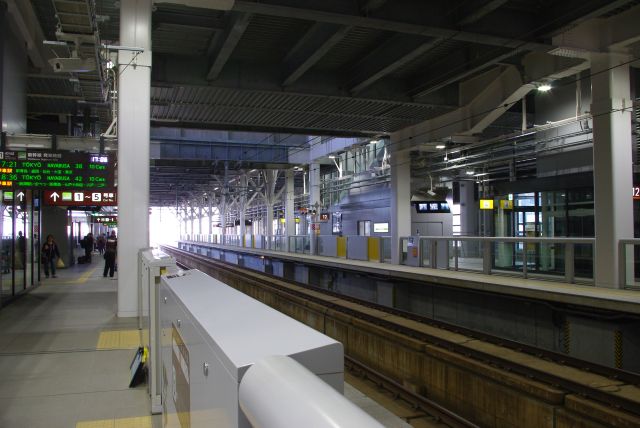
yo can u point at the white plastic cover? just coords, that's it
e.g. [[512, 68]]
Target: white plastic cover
[[277, 392]]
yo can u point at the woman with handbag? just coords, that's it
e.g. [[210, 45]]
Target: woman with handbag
[[49, 253]]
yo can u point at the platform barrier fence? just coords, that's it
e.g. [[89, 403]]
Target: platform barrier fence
[[569, 260]]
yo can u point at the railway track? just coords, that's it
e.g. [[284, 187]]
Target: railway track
[[613, 388]]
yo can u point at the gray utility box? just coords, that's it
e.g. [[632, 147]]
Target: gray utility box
[[212, 334], [152, 264]]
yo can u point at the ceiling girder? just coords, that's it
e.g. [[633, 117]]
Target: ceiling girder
[[381, 24], [315, 44], [228, 42]]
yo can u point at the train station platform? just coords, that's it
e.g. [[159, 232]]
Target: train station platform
[[618, 300], [65, 357]]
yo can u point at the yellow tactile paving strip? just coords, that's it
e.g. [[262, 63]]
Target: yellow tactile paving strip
[[82, 279], [122, 339], [138, 422]]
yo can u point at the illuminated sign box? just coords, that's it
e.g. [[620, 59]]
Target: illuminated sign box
[[56, 170], [506, 205], [432, 207], [486, 204], [81, 198], [636, 193], [381, 227]]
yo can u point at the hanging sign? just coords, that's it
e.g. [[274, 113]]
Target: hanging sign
[[636, 193], [486, 204], [57, 170], [81, 198]]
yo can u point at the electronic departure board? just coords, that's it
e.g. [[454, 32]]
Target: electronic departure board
[[56, 170]]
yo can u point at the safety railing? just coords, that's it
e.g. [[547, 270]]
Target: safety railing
[[299, 244], [629, 258], [561, 259]]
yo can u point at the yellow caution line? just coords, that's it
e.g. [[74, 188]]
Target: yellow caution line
[[80, 280], [137, 422], [122, 339]]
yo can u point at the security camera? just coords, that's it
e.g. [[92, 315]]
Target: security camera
[[72, 65]]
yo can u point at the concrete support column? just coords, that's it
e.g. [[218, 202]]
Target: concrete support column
[[210, 216], [200, 218], [269, 221], [289, 206], [612, 170], [133, 148], [400, 163], [243, 205], [314, 203]]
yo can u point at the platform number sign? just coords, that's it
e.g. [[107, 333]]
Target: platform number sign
[[636, 193]]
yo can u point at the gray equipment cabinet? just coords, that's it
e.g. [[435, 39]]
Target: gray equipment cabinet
[[212, 335], [152, 263]]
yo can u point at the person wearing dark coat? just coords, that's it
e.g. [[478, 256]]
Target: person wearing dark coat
[[49, 254], [88, 247], [110, 254]]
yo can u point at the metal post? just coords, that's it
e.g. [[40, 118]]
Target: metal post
[[569, 266], [524, 259], [486, 257]]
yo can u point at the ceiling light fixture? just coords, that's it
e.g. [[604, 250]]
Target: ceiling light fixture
[[332, 157], [470, 172], [440, 146], [544, 87]]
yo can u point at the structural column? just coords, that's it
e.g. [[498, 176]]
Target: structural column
[[400, 163], [133, 148], [612, 170], [314, 203], [289, 205], [244, 188]]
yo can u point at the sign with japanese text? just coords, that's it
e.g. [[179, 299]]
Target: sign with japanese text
[[81, 198], [56, 170]]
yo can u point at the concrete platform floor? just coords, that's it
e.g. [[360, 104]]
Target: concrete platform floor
[[64, 358]]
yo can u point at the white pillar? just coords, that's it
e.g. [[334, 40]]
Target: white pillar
[[133, 148], [243, 205], [289, 205], [200, 219], [400, 201], [210, 228], [269, 226], [314, 202], [612, 170]]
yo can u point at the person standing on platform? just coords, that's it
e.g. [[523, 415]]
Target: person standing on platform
[[100, 243], [49, 254], [110, 254], [88, 247], [20, 250]]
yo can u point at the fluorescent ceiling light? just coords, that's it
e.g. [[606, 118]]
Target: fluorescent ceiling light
[[440, 146], [470, 172], [481, 173], [332, 157], [544, 88]]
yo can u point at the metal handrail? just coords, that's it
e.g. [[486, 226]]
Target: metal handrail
[[486, 253]]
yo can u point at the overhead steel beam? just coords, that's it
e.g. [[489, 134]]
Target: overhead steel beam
[[382, 24], [391, 56], [422, 89], [228, 42], [311, 48], [481, 12], [610, 6], [372, 5], [56, 96]]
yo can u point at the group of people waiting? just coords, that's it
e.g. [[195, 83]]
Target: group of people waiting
[[107, 245]]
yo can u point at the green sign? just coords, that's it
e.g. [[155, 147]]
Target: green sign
[[56, 170]]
